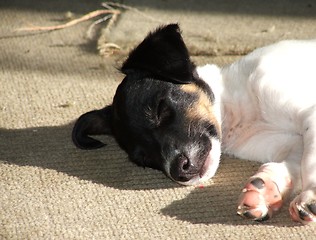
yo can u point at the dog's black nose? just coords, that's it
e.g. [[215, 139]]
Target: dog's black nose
[[184, 162], [182, 169]]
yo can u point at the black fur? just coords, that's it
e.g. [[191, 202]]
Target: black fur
[[92, 123], [162, 55], [148, 115]]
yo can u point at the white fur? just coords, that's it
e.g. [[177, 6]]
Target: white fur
[[267, 102]]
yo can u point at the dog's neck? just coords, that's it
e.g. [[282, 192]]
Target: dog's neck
[[235, 106], [228, 106]]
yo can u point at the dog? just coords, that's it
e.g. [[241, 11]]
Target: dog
[[169, 114]]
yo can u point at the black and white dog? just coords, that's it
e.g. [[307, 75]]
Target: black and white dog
[[170, 115]]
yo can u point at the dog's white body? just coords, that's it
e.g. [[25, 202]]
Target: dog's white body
[[267, 107]]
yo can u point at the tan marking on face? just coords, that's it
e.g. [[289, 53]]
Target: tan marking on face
[[202, 108]]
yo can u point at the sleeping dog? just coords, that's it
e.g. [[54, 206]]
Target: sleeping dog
[[170, 115]]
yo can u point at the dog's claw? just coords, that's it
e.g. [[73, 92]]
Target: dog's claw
[[251, 213], [303, 212], [258, 211], [303, 207], [312, 208], [259, 200]]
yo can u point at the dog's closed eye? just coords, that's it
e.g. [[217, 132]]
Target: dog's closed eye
[[159, 114], [164, 112]]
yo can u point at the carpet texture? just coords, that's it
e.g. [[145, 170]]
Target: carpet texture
[[52, 190]]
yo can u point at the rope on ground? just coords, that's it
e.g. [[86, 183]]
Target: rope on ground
[[112, 15]]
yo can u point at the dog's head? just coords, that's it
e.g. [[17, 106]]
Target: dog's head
[[162, 113]]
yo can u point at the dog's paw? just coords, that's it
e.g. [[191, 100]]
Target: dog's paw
[[260, 198], [303, 207]]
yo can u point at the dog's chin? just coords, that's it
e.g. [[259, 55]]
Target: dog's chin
[[209, 168]]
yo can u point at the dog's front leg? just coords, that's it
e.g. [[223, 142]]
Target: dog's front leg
[[264, 193], [303, 207]]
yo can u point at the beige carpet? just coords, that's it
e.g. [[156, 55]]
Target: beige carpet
[[51, 190]]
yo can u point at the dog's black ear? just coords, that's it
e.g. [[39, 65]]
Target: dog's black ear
[[96, 122], [163, 55]]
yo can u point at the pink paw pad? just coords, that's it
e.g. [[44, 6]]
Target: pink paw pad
[[259, 199]]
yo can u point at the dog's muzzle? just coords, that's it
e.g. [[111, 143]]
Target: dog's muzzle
[[194, 170]]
